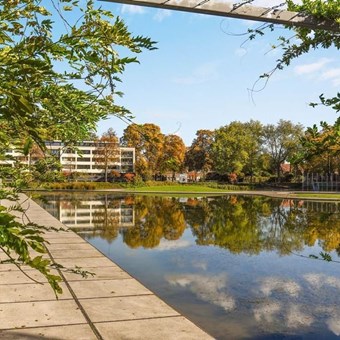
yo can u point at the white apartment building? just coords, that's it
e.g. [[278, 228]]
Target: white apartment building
[[81, 157]]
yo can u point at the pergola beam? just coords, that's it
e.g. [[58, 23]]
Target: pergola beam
[[225, 9]]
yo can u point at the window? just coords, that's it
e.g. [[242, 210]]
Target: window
[[55, 152], [82, 214], [84, 159], [127, 154], [84, 206], [83, 166]]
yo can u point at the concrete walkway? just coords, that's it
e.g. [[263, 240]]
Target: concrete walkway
[[110, 305]]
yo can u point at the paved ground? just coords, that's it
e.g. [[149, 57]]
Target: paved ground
[[110, 305]]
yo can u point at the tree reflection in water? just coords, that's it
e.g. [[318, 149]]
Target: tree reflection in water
[[155, 218], [241, 224]]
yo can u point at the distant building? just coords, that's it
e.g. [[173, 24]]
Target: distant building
[[80, 158]]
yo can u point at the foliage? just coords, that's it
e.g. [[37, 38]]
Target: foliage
[[173, 154], [20, 238], [198, 156], [236, 146], [17, 240], [148, 141], [320, 149], [107, 151], [129, 177], [281, 142], [55, 84], [155, 152]]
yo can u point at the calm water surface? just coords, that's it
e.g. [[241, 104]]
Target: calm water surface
[[237, 266]]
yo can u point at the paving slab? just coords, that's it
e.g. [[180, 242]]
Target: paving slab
[[126, 308], [86, 262], [101, 273], [64, 240], [30, 292], [75, 253], [16, 277], [178, 328], [69, 245], [42, 313], [108, 288], [79, 332]]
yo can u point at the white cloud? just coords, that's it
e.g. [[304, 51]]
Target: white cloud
[[240, 52], [271, 284], [334, 324], [161, 14], [132, 9], [318, 281], [296, 317], [249, 23], [200, 264], [169, 245], [202, 74], [333, 75], [267, 312], [311, 68], [210, 289]]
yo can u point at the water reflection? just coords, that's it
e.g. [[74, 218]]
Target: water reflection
[[241, 224], [251, 225], [210, 289], [228, 263]]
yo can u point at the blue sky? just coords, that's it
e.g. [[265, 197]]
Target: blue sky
[[199, 75]]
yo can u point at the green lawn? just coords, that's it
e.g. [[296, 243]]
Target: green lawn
[[317, 195], [176, 188]]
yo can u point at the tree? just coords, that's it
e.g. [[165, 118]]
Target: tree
[[320, 149], [281, 142], [198, 156], [55, 82], [230, 148], [173, 154], [107, 151], [252, 146], [148, 141]]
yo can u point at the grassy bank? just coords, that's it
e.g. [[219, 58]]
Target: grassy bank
[[317, 195], [169, 187], [175, 188], [150, 186]]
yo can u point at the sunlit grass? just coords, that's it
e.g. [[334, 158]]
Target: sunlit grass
[[317, 195], [177, 188]]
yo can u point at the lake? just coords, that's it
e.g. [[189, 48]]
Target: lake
[[240, 267]]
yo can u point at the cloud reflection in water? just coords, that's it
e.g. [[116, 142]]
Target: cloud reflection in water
[[207, 288]]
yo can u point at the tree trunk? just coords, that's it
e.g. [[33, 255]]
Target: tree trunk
[[106, 166], [278, 172]]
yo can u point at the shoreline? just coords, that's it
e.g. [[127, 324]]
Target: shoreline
[[310, 195]]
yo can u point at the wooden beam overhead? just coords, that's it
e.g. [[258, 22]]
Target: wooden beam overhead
[[227, 9]]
